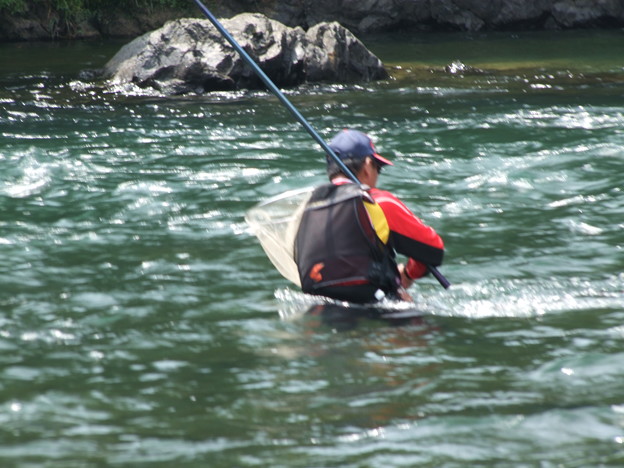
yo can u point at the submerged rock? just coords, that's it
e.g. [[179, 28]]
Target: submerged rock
[[190, 55], [459, 68]]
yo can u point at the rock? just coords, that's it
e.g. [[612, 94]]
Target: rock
[[42, 20], [575, 13], [459, 68], [334, 54], [362, 16], [26, 29], [527, 12], [190, 55], [467, 17], [366, 16]]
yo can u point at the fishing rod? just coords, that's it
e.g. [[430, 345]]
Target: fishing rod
[[284, 100], [267, 81]]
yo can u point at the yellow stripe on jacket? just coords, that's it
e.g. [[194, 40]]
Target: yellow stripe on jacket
[[378, 220]]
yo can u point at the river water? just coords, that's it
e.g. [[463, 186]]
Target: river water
[[142, 325]]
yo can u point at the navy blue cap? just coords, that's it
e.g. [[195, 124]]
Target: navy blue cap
[[352, 144]]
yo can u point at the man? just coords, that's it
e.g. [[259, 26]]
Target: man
[[346, 243]]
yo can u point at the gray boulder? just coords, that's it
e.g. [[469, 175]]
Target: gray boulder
[[574, 13], [190, 55], [42, 20], [365, 16]]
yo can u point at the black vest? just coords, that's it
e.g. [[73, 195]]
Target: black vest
[[336, 244]]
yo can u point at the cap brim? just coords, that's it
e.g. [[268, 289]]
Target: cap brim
[[382, 160]]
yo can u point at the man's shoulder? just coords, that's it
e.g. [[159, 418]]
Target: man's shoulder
[[381, 196], [390, 203], [332, 194]]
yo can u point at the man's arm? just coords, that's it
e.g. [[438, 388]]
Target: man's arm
[[410, 236]]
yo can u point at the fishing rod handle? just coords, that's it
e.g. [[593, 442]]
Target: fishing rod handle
[[439, 276]]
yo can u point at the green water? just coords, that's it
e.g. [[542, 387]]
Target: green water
[[142, 325]]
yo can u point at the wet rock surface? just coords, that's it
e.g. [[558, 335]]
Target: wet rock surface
[[191, 56]]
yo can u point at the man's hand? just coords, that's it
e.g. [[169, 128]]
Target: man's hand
[[406, 281]]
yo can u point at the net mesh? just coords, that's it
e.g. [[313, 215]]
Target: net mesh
[[275, 222]]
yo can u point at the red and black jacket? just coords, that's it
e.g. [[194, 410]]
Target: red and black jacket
[[337, 243]]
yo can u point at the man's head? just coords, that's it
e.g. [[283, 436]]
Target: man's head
[[353, 148]]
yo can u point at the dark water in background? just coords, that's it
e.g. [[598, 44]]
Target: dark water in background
[[142, 325]]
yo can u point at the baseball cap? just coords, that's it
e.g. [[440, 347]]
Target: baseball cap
[[353, 144]]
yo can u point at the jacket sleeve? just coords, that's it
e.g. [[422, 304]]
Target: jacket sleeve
[[409, 235]]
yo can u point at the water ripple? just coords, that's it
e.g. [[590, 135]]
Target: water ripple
[[141, 320]]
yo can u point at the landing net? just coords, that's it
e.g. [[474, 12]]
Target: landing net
[[275, 222]]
